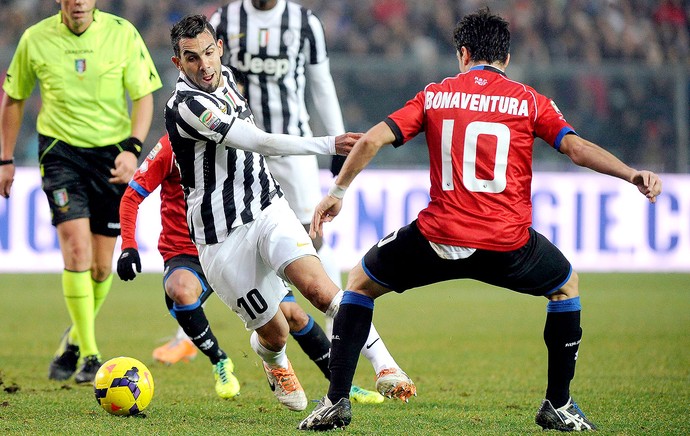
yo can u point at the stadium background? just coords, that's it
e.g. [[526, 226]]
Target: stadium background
[[618, 69]]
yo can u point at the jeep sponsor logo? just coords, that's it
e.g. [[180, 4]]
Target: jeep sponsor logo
[[270, 66]]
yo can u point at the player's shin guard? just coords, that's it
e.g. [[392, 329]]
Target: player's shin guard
[[562, 335], [315, 344], [193, 321], [350, 331]]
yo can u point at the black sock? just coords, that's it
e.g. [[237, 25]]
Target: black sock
[[315, 344], [195, 324], [350, 330], [562, 335]]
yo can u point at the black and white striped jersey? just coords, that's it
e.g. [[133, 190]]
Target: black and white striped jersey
[[217, 146], [274, 49]]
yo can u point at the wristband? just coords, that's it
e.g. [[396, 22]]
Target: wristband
[[133, 145], [337, 192], [9, 161]]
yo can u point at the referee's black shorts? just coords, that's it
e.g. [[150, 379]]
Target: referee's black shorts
[[406, 260], [75, 180]]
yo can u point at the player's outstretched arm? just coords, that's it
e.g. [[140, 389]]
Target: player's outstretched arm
[[362, 153], [587, 154]]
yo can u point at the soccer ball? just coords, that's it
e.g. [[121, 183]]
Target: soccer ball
[[123, 386]]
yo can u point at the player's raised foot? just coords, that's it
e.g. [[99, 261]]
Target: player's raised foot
[[363, 396], [328, 416], [175, 350], [227, 385], [566, 418], [64, 364], [89, 368], [394, 383], [286, 387]]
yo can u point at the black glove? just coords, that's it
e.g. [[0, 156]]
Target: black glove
[[128, 258], [336, 164]]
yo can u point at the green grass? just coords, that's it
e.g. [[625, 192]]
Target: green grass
[[475, 352]]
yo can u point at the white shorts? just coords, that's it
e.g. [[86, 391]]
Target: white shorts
[[298, 177], [244, 269]]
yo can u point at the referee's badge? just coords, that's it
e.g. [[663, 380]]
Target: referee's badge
[[80, 65], [60, 197]]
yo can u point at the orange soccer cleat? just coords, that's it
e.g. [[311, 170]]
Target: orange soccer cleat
[[175, 350]]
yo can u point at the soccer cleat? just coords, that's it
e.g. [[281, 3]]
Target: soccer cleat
[[64, 364], [359, 395], [89, 368], [394, 383], [566, 418], [328, 416], [227, 385], [286, 387], [175, 350]]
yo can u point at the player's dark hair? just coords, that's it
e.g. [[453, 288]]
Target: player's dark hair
[[484, 35], [189, 27]]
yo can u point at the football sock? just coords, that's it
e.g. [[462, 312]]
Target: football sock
[[274, 359], [330, 264], [315, 344], [193, 321], [562, 335], [78, 293], [376, 352], [100, 291], [180, 334], [350, 330]]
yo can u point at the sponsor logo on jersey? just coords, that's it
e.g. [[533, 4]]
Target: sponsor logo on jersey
[[271, 66], [80, 65], [154, 151], [480, 81]]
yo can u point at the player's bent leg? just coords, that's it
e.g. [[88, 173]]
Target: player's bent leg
[[562, 336], [269, 342], [309, 277]]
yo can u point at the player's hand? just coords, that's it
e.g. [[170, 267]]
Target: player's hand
[[325, 211], [129, 258], [648, 183], [125, 166], [345, 142], [6, 179]]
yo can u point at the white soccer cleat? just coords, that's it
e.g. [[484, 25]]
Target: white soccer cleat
[[394, 383], [286, 387]]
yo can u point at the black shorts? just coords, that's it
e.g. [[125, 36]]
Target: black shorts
[[406, 260], [190, 263], [75, 181]]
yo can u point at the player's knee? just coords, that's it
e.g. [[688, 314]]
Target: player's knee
[[296, 317], [569, 290], [182, 288], [360, 282]]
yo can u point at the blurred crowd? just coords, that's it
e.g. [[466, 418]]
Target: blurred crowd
[[628, 112]]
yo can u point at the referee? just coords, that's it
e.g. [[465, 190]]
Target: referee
[[86, 63]]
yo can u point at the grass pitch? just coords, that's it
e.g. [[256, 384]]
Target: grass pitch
[[475, 352]]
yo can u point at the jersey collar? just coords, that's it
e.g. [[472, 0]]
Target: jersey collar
[[488, 68]]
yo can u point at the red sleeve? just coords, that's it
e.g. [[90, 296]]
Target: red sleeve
[[147, 178], [550, 124], [408, 121], [129, 210]]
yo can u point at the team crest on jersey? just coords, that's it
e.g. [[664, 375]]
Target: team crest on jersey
[[209, 120], [288, 38], [60, 197], [80, 65]]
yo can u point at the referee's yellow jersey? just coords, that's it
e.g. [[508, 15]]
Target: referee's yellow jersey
[[83, 78]]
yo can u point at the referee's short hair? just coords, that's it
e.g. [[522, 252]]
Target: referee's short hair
[[189, 27]]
